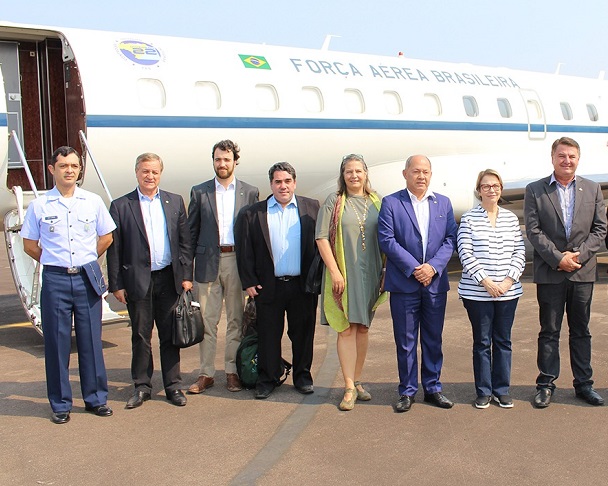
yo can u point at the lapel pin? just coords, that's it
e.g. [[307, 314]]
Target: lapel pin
[[580, 188], [166, 202]]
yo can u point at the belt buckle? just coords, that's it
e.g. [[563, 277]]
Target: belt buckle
[[73, 270]]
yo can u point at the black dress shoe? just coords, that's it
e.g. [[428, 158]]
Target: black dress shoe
[[438, 399], [542, 399], [404, 403], [590, 396], [305, 390], [138, 398], [100, 410], [60, 417], [262, 393], [177, 397]]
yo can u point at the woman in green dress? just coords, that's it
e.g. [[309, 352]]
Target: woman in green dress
[[346, 235]]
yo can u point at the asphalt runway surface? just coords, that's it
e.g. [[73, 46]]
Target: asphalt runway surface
[[223, 438]]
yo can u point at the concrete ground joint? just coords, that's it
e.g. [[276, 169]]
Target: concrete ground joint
[[296, 422]]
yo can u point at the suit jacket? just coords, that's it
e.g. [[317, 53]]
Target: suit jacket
[[400, 239], [254, 251], [204, 229], [547, 234], [129, 264]]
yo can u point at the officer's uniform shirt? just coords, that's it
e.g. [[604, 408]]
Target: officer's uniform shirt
[[67, 227]]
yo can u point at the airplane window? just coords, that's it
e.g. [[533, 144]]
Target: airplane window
[[504, 107], [592, 111], [392, 103], [353, 100], [566, 110], [470, 105], [432, 104], [207, 95], [312, 99], [267, 97], [151, 93]]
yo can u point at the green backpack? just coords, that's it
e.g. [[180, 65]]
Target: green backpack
[[247, 360], [247, 352]]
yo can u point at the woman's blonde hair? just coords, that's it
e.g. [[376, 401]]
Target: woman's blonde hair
[[482, 174]]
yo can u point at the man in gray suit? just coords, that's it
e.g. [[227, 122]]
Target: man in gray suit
[[565, 221], [213, 209]]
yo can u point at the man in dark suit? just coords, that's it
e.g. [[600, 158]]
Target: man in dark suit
[[214, 206], [565, 221], [275, 251], [417, 232], [149, 263]]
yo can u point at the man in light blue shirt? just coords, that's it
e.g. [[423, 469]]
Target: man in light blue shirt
[[149, 264], [66, 230], [275, 252], [565, 220]]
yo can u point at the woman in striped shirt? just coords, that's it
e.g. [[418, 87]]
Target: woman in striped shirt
[[491, 250]]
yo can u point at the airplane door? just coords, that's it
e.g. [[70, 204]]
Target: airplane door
[[9, 63], [537, 122]]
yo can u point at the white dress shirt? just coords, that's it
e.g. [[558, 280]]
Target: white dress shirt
[[225, 199], [422, 212]]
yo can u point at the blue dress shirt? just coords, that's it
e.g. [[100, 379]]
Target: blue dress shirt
[[156, 229], [285, 237]]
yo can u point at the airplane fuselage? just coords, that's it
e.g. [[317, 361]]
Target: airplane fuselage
[[177, 97]]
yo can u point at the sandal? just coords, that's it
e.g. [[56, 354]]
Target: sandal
[[346, 405], [362, 394]]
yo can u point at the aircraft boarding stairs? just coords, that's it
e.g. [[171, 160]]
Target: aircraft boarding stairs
[[27, 273]]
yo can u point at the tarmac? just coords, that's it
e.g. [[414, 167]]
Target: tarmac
[[224, 438]]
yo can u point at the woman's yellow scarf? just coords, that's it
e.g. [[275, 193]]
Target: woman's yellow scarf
[[336, 307]]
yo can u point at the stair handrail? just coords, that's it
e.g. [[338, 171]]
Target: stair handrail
[[26, 167], [85, 144]]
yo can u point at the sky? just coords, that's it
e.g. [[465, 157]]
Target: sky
[[533, 35]]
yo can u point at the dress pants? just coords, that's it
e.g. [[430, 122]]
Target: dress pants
[[63, 297], [211, 295], [411, 312], [492, 321], [300, 308], [156, 307], [575, 297]]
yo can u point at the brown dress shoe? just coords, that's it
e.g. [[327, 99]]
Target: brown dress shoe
[[233, 383], [201, 385]]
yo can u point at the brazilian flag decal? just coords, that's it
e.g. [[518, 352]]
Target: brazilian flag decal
[[254, 62]]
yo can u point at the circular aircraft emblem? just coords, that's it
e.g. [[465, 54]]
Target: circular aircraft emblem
[[139, 52]]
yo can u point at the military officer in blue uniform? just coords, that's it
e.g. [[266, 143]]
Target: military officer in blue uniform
[[66, 230]]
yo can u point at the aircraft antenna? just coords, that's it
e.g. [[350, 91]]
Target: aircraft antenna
[[328, 38]]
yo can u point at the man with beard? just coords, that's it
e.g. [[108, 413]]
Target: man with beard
[[212, 212]]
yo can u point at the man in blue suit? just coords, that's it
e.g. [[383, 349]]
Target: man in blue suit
[[417, 232]]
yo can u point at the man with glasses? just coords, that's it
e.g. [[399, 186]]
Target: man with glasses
[[565, 221]]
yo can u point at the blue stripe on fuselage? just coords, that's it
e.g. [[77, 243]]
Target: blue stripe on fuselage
[[111, 121]]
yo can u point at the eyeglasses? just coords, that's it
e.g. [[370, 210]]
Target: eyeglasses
[[487, 187]]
